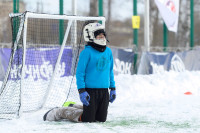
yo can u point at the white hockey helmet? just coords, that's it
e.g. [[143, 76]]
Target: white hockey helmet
[[90, 32]]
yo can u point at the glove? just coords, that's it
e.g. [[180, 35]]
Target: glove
[[112, 94], [84, 96]]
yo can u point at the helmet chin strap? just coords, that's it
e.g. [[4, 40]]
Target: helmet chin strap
[[107, 40]]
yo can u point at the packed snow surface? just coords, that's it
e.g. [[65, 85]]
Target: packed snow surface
[[162, 103]]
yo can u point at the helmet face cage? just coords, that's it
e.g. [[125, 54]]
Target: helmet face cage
[[90, 32]]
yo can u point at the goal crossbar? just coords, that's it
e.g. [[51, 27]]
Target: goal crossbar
[[52, 16]]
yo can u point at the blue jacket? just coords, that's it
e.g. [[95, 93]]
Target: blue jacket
[[95, 69]]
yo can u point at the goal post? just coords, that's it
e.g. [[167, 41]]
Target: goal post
[[41, 72]]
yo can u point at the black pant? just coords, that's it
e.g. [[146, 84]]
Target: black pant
[[98, 107]]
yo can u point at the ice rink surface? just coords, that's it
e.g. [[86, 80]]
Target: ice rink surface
[[145, 104]]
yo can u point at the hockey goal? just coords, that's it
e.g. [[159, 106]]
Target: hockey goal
[[41, 70]]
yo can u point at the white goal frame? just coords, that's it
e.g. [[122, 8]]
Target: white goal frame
[[28, 15]]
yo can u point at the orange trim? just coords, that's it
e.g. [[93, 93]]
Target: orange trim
[[80, 118]]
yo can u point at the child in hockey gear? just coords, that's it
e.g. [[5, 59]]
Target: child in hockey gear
[[94, 74]]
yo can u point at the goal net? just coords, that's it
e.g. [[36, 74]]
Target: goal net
[[42, 66]]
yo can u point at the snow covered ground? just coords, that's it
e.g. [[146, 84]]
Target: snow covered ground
[[145, 104]]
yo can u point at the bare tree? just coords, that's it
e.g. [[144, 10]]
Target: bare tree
[[109, 14], [93, 8], [154, 22]]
